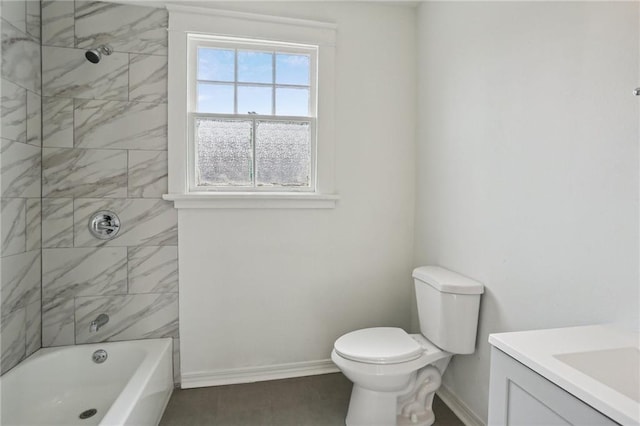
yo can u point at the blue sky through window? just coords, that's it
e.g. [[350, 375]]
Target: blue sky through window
[[254, 99], [215, 98], [216, 65], [291, 101], [255, 67], [292, 69]]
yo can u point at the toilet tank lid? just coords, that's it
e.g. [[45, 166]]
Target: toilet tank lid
[[447, 281]]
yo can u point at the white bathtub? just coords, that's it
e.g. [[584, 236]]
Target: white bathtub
[[55, 385]]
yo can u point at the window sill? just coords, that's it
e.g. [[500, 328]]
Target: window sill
[[252, 200]]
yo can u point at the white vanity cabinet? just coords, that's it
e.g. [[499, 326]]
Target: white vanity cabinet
[[518, 396]]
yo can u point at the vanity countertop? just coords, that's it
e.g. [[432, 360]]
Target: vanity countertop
[[599, 364]]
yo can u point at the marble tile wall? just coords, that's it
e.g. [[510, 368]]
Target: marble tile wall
[[20, 190], [104, 138]]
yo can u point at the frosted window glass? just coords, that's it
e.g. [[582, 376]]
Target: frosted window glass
[[255, 67], [283, 153], [216, 64], [254, 99], [292, 69], [292, 102], [215, 98], [224, 155]]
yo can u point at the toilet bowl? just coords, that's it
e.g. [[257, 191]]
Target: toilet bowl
[[383, 363], [395, 374]]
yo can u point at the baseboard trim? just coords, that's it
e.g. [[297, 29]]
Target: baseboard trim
[[257, 374], [458, 407]]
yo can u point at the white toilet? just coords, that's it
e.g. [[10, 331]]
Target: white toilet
[[396, 374]]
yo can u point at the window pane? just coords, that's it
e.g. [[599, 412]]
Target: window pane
[[292, 102], [216, 98], [224, 156], [255, 67], [292, 69], [283, 153], [254, 99], [215, 64]]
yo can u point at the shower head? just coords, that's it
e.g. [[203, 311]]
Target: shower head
[[94, 55]]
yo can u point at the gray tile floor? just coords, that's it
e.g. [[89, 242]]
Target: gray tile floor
[[313, 401]]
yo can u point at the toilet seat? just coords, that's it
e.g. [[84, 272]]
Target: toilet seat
[[379, 345]]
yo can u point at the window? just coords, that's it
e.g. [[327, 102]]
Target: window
[[253, 113], [250, 107]]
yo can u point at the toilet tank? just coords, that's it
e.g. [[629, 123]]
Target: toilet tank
[[448, 307]]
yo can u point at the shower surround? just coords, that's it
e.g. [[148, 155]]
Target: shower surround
[[104, 147], [20, 175]]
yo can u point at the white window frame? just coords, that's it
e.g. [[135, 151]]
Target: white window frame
[[195, 41], [184, 21]]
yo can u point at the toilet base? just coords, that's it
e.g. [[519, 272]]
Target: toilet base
[[423, 420], [412, 406], [415, 407], [371, 408]]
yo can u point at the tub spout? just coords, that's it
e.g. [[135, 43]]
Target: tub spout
[[101, 320]]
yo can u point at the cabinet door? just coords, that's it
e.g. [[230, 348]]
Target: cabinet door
[[518, 396]]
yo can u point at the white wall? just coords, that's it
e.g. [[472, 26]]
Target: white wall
[[268, 287], [528, 164]]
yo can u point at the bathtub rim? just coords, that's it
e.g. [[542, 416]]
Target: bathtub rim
[[133, 389], [124, 403]]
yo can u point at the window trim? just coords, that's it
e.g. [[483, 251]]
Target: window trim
[[184, 20], [198, 40]]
